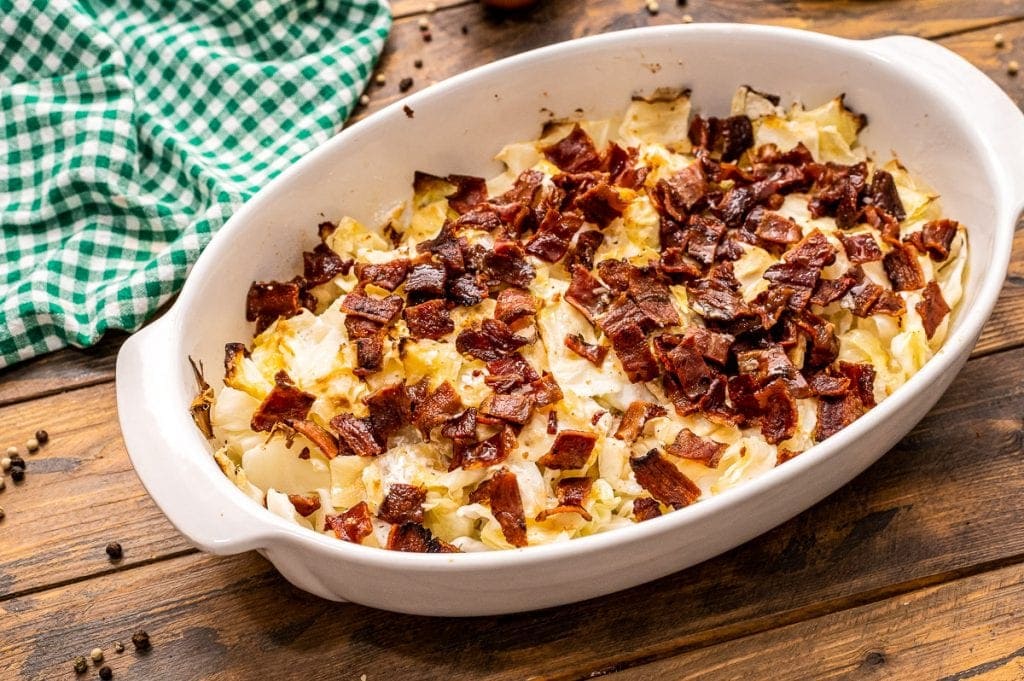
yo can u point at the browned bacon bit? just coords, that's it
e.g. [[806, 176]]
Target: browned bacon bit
[[354, 525], [831, 290], [703, 236], [403, 504], [663, 480], [551, 242], [571, 493], [269, 300], [462, 427], [284, 403], [637, 415], [742, 392], [545, 390], [489, 341], [469, 191], [318, 435], [864, 296], [390, 409], [356, 434], [510, 408], [771, 363], [645, 508], [514, 304], [615, 273], [652, 296], [890, 303], [234, 353], [380, 310], [718, 295], [587, 294], [582, 252], [389, 275], [862, 379], [436, 407], [506, 264], [687, 365], [322, 265], [369, 354], [937, 237], [552, 422], [429, 320], [600, 204], [778, 412], [861, 248], [305, 505], [425, 281], [828, 384], [466, 290], [525, 188], [677, 265], [732, 135], [822, 335], [414, 538], [886, 224], [594, 354], [510, 373], [835, 413], [571, 450], [784, 454], [777, 229], [736, 204], [932, 308], [632, 349], [689, 445], [839, 191], [883, 194], [447, 247], [903, 269], [489, 452], [357, 327], [681, 193], [501, 490], [712, 345], [574, 153]]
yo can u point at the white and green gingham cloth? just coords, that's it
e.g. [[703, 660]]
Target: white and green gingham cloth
[[132, 129]]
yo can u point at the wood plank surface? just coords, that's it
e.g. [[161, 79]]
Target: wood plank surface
[[902, 525], [61, 370], [971, 628]]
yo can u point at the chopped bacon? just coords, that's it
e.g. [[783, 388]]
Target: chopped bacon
[[822, 335], [466, 290], [718, 295], [571, 450], [514, 304], [322, 264], [284, 403], [777, 229], [862, 379], [835, 413], [552, 422], [839, 192], [269, 300], [462, 427], [436, 407], [861, 248], [937, 237], [771, 363], [864, 296], [883, 194], [890, 303], [545, 390], [369, 354], [932, 308], [318, 435], [686, 363], [582, 253], [600, 204], [448, 249], [711, 345], [594, 354], [831, 290], [703, 236], [629, 341], [778, 412], [489, 341], [414, 538], [784, 454], [510, 408], [574, 153], [571, 493], [689, 445], [469, 191], [615, 274], [551, 242], [736, 204], [305, 505], [380, 310], [501, 491], [425, 281], [829, 384], [403, 504], [354, 525], [732, 135], [489, 452], [389, 275], [742, 392], [652, 296], [587, 294], [903, 269], [663, 480], [677, 265], [680, 193], [390, 409], [509, 373], [637, 415], [506, 264], [356, 434], [645, 508], [429, 320]]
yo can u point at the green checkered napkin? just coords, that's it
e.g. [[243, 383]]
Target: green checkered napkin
[[132, 129]]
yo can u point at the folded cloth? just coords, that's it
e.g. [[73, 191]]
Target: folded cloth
[[131, 131]]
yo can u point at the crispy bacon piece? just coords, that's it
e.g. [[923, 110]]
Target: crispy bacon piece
[[509, 373], [305, 505], [645, 508], [570, 450], [689, 445], [322, 264], [777, 229], [489, 452], [447, 247], [778, 412], [637, 415], [718, 295], [864, 296], [736, 204], [380, 310], [711, 345], [429, 320], [525, 188], [356, 434], [652, 296], [835, 413], [594, 354], [390, 409], [677, 265], [828, 384], [571, 493], [784, 454], [369, 354], [839, 192], [682, 192], [514, 304], [732, 136], [466, 290], [615, 274], [462, 427], [693, 377], [861, 248], [506, 264], [932, 308], [318, 435], [862, 380], [600, 204], [937, 237], [704, 234], [587, 294], [545, 390], [469, 191], [426, 281], [403, 504], [742, 392], [663, 480], [822, 335], [414, 538], [354, 525], [802, 265], [903, 269], [489, 341], [630, 345], [831, 290], [436, 407], [574, 153], [551, 242], [582, 252], [510, 408], [269, 300], [501, 491], [284, 403], [388, 275], [883, 194]]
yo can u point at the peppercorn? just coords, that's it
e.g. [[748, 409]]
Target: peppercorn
[[140, 639], [115, 551], [418, 63], [5, 463], [17, 462], [42, 436], [998, 40], [405, 84], [96, 655], [427, 36], [1013, 68], [653, 7], [17, 474], [32, 445], [12, 451], [687, 18], [364, 100], [81, 666], [464, 29], [379, 79], [106, 673], [118, 647]]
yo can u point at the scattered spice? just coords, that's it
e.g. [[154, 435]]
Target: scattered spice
[[5, 463], [118, 647], [17, 474], [379, 79], [409, 113], [998, 40], [17, 462], [12, 451], [687, 18], [106, 673], [427, 36], [405, 84], [364, 100], [96, 655], [115, 551], [418, 63], [424, 24], [464, 29], [140, 639], [32, 445], [81, 666], [1013, 68], [653, 7], [42, 436]]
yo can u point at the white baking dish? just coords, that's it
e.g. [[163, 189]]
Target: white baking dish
[[948, 122]]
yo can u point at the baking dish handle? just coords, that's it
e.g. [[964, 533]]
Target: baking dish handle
[[995, 116], [158, 431]]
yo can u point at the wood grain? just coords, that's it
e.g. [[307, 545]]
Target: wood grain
[[971, 628], [904, 524], [61, 370]]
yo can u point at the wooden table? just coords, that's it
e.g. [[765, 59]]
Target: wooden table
[[914, 571]]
